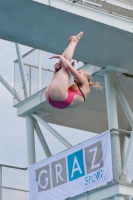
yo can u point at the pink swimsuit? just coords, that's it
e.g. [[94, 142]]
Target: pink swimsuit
[[72, 91]]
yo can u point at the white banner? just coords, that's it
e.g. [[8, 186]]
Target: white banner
[[79, 169]]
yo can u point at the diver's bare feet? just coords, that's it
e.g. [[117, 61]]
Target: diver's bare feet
[[76, 38]]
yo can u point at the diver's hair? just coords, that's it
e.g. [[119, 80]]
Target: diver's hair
[[96, 85]]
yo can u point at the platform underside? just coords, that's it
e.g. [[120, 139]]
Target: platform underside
[[48, 28]]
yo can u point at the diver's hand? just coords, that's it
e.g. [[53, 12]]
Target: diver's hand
[[58, 57], [63, 60]]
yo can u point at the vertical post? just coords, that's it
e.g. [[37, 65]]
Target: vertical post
[[30, 140], [111, 100], [75, 64], [129, 115], [21, 69], [42, 139], [40, 70], [113, 123], [122, 146], [127, 155], [0, 182], [130, 197], [29, 80], [87, 196], [124, 102]]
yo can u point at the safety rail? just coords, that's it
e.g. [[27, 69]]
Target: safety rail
[[121, 131], [13, 183], [122, 8], [31, 73]]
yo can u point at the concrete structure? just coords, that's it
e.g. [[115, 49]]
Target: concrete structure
[[108, 44]]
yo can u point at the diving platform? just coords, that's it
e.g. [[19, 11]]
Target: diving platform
[[105, 50], [107, 43], [48, 24]]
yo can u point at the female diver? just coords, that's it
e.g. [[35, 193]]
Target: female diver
[[59, 93]]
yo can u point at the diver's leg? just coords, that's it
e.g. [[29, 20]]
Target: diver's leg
[[59, 85], [73, 41], [61, 81], [69, 51]]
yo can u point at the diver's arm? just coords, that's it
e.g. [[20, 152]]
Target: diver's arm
[[71, 69]]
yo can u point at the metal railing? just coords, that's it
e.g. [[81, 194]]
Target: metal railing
[[121, 131], [13, 183], [122, 8], [31, 73]]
